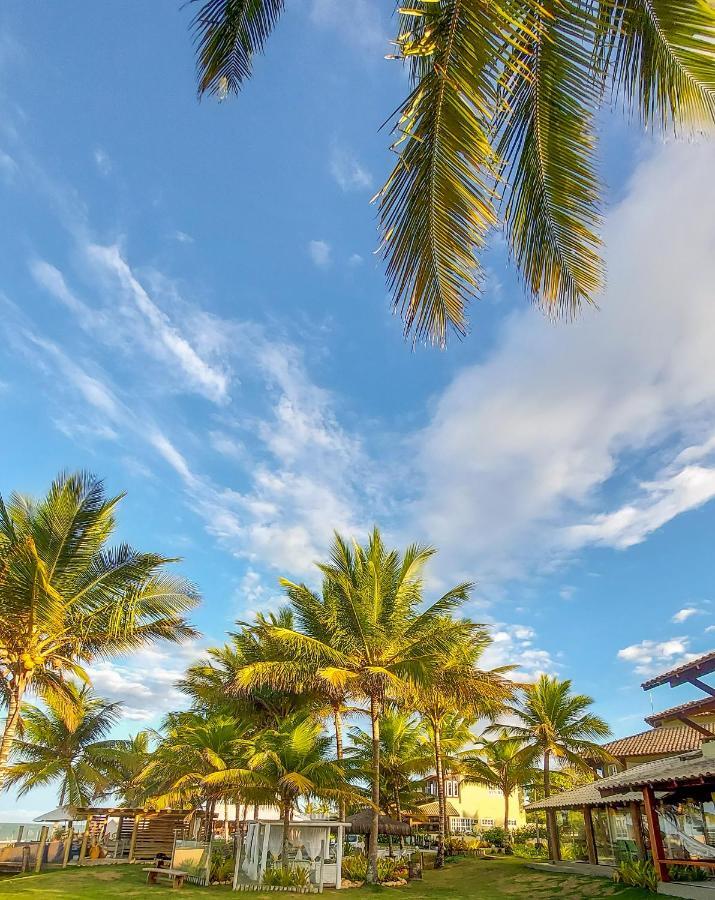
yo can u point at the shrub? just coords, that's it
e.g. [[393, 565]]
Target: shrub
[[355, 867], [687, 873], [637, 873], [528, 832], [497, 837], [527, 851], [299, 876]]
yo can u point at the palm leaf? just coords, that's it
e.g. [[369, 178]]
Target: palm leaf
[[662, 58], [228, 35], [436, 207], [545, 136]]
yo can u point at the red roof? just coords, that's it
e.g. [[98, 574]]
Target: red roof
[[703, 665], [695, 707], [656, 741]]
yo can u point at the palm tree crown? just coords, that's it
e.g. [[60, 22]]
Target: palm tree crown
[[69, 745], [66, 597]]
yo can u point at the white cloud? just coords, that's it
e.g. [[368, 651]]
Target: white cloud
[[514, 644], [319, 253], [355, 259], [8, 167], [183, 237], [347, 170], [650, 656], [102, 161], [521, 446], [685, 613], [144, 682], [168, 451]]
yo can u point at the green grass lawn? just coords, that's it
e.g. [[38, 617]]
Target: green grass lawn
[[472, 879]]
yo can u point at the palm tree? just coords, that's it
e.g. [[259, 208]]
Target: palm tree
[[67, 744], [505, 763], [195, 747], [128, 760], [285, 764], [556, 724], [458, 684], [66, 597], [373, 640], [404, 758], [502, 104]]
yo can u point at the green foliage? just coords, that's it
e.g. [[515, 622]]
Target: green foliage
[[294, 876], [355, 867], [688, 873], [502, 107], [68, 745], [67, 597], [496, 836], [637, 873], [529, 851], [222, 862]]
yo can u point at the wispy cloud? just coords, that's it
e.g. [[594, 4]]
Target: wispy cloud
[[320, 253], [362, 29], [102, 161], [685, 613], [347, 170]]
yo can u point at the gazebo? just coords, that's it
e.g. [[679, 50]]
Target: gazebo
[[315, 844]]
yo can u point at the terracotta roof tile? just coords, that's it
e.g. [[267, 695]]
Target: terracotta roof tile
[[432, 809], [702, 665], [707, 704], [663, 773], [654, 741]]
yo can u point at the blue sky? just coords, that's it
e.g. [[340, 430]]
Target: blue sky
[[192, 308]]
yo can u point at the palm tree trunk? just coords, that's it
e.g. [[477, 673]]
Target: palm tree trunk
[[441, 798], [398, 812], [286, 832], [375, 824], [14, 705], [225, 819], [338, 721], [506, 813], [551, 833]]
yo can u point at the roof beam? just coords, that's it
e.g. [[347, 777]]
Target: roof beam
[[701, 729], [696, 682]]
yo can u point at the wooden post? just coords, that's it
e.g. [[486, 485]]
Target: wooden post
[[656, 838], [41, 847], [321, 876], [68, 847], [20, 832], [239, 848], [25, 863], [637, 823], [133, 839], [83, 846], [264, 853], [590, 836], [118, 842], [339, 858]]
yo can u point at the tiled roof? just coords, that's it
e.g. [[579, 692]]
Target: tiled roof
[[432, 809], [586, 795], [655, 741], [668, 772], [695, 707], [702, 665], [662, 774]]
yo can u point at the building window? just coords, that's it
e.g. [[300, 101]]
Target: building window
[[511, 823], [461, 826], [487, 822], [452, 789], [494, 791]]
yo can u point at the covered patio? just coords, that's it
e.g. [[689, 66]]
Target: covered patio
[[661, 810]]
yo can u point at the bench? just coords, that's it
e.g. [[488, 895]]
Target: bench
[[176, 876]]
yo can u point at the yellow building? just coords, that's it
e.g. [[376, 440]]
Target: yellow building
[[473, 807]]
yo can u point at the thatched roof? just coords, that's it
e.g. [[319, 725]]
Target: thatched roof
[[361, 822]]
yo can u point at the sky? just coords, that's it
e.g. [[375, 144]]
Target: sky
[[192, 307]]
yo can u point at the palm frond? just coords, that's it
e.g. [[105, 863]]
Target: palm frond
[[436, 207], [545, 138], [661, 55], [228, 34]]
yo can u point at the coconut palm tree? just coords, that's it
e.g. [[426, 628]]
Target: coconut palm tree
[[67, 597], [458, 684], [128, 760], [502, 104], [404, 758], [375, 640], [67, 744], [193, 748], [285, 764], [505, 763], [557, 725]]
